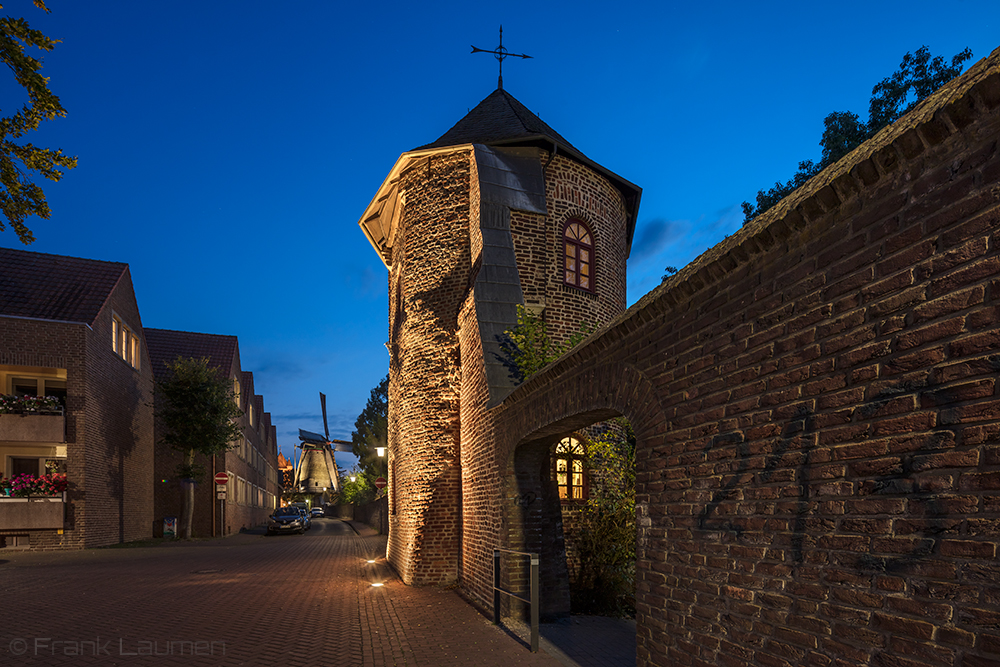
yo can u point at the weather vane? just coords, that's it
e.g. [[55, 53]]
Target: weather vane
[[500, 53]]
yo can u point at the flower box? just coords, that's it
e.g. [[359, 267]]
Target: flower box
[[35, 513], [32, 427]]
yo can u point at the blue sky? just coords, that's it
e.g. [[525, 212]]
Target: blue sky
[[227, 149]]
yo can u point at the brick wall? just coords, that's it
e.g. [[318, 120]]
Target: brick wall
[[816, 412], [572, 191], [428, 283], [118, 430], [437, 382], [56, 345], [109, 440], [239, 462]]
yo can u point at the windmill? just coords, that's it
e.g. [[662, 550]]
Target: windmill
[[316, 471]]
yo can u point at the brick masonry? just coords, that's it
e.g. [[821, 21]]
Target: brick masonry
[[817, 416], [814, 400], [438, 386], [254, 488], [109, 421]]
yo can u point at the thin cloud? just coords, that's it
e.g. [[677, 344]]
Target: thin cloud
[[654, 236]]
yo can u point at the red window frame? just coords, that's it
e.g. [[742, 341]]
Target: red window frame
[[578, 255]]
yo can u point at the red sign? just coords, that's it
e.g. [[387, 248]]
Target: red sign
[[380, 483], [221, 478]]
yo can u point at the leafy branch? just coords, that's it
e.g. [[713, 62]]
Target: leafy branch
[[19, 196], [528, 347], [918, 76]]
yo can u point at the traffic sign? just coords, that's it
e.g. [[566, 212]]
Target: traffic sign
[[221, 478], [380, 483], [221, 495]]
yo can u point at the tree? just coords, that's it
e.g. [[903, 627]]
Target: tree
[[19, 196], [371, 430], [918, 76], [528, 348], [198, 412], [359, 491]]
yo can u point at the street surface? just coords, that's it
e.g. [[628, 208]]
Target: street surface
[[282, 601]]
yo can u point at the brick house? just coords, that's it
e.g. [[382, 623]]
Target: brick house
[[254, 487], [70, 328], [501, 210]]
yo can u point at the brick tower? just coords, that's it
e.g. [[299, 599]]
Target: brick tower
[[499, 211]]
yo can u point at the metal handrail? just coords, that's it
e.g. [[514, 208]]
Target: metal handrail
[[532, 602]]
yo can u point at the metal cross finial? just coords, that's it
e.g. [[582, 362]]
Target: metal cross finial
[[500, 53]]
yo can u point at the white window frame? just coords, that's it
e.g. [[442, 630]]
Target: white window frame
[[124, 342]]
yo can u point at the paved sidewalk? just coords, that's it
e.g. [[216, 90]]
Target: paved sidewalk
[[243, 600]]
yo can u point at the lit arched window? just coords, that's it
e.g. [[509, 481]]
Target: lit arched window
[[578, 246], [567, 466]]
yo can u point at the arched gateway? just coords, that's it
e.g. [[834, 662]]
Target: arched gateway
[[815, 399]]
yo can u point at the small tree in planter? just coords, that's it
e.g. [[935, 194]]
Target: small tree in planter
[[199, 414]]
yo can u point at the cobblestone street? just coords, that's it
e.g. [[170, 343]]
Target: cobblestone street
[[244, 600]]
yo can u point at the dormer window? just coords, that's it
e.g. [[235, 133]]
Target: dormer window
[[578, 251], [124, 342]]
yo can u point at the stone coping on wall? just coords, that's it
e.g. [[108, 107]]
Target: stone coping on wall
[[954, 106]]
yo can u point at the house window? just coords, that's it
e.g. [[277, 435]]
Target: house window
[[124, 342], [578, 251], [24, 466], [568, 469], [39, 386]]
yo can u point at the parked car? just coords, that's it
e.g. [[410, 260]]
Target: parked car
[[285, 520], [306, 521], [317, 511]]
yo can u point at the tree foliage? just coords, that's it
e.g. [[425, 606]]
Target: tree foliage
[[361, 490], [199, 408], [371, 430], [528, 347], [605, 534], [19, 196], [198, 412], [918, 76]]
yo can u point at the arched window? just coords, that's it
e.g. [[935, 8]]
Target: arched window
[[578, 247], [568, 469]]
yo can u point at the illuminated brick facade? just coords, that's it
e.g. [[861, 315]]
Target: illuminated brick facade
[[814, 399]]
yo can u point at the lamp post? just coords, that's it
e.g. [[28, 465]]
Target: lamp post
[[380, 452]]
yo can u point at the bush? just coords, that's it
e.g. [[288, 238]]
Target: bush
[[605, 534]]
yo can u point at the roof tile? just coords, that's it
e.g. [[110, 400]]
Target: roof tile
[[499, 117], [55, 287], [165, 346]]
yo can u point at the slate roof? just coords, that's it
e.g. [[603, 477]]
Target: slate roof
[[165, 346], [55, 287], [498, 118]]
